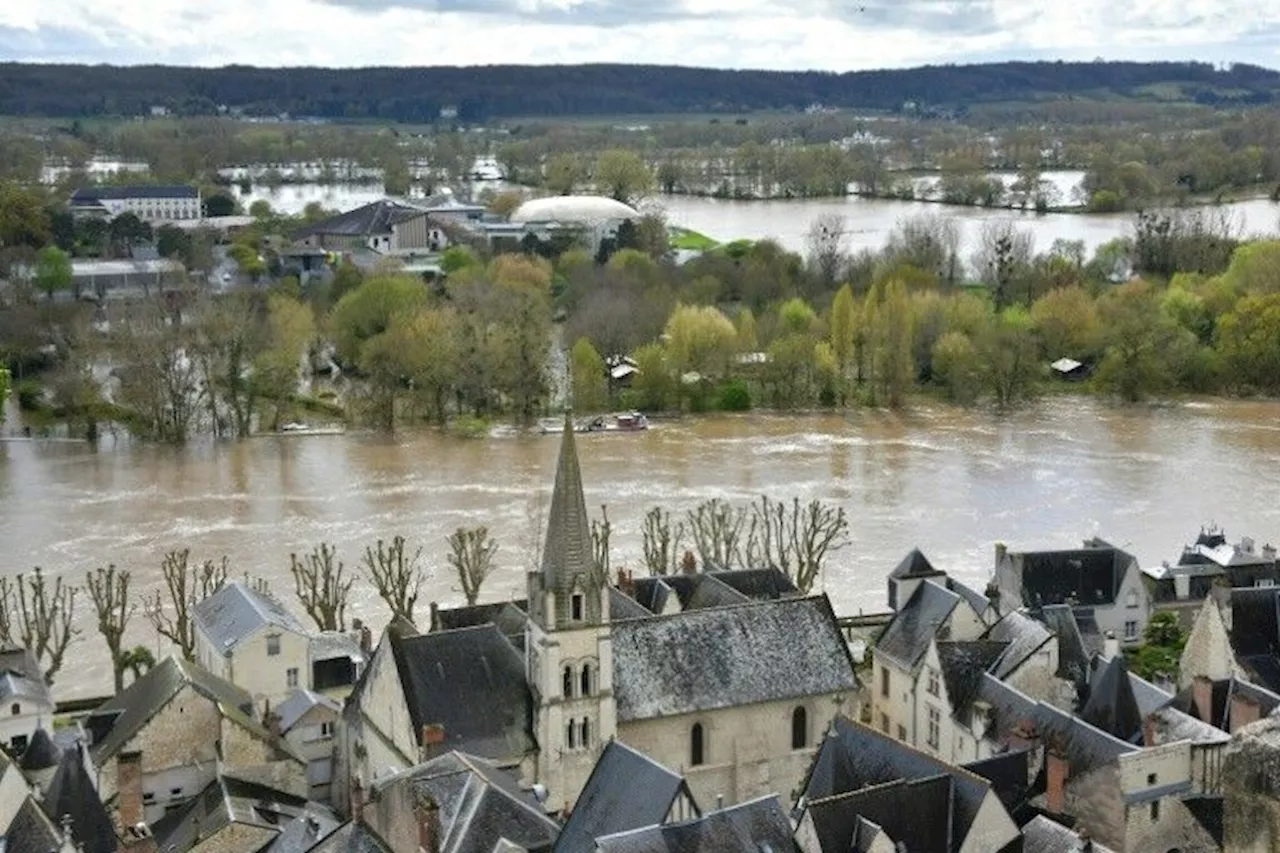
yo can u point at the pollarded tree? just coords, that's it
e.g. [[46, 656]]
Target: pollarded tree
[[109, 591], [186, 584], [471, 552], [396, 575], [717, 529], [661, 541], [318, 581], [795, 538], [39, 617]]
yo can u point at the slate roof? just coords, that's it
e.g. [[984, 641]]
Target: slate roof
[[41, 752], [1171, 724], [94, 194], [21, 677], [712, 592], [1009, 775], [627, 790], [331, 645], [1112, 706], [1090, 576], [226, 801], [471, 681], [926, 825], [351, 838], [854, 757], [963, 664], [623, 606], [918, 622], [299, 703], [1148, 696], [757, 826], [1209, 813], [31, 831], [235, 612], [914, 565], [375, 218], [1255, 633], [758, 584], [124, 715], [478, 804], [72, 792], [1073, 656], [722, 657], [1043, 835], [979, 602], [653, 593], [1024, 637], [567, 554]]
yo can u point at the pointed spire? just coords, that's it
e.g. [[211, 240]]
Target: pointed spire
[[566, 554]]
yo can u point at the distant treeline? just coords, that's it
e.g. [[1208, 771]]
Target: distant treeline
[[480, 93]]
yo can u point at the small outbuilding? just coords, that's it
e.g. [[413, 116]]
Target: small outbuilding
[[1070, 369]]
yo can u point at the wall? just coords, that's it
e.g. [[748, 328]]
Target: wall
[[1038, 678], [209, 656], [264, 676], [1094, 798], [1208, 649], [992, 827], [386, 734], [1251, 783], [1113, 618], [747, 749], [896, 703], [25, 722], [1173, 828]]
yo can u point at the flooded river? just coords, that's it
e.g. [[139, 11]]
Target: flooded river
[[949, 481]]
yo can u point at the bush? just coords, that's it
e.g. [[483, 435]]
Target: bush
[[469, 426], [30, 395], [734, 396], [1106, 201]]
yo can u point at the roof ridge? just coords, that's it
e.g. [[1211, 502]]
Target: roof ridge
[[750, 602]]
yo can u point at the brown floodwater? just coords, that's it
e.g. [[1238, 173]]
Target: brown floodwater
[[952, 482]]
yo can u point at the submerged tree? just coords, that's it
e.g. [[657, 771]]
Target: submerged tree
[[39, 617], [187, 584], [661, 541], [109, 591], [397, 577], [318, 581], [471, 556]]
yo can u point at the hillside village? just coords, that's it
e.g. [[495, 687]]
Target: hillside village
[[699, 713]]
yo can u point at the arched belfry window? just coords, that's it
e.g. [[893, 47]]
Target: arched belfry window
[[697, 748], [587, 686], [799, 728], [568, 682]]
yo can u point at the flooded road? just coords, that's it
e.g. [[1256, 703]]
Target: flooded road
[[950, 481]]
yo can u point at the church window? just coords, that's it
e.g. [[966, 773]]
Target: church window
[[586, 733], [586, 680], [575, 607], [568, 682], [697, 754], [799, 728], [571, 735]]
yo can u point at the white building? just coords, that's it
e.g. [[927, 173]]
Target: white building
[[156, 205], [25, 701], [308, 721]]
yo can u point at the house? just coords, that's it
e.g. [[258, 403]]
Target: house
[[387, 227], [1100, 582], [156, 205], [25, 697], [309, 722], [594, 664], [456, 803], [165, 737], [1208, 563], [855, 794], [249, 638], [760, 824], [1236, 634]]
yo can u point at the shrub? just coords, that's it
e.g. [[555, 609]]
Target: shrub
[[734, 396], [30, 395]]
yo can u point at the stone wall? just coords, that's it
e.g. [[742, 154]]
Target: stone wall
[[1251, 785]]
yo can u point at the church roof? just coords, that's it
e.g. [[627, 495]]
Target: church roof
[[721, 657], [567, 555]]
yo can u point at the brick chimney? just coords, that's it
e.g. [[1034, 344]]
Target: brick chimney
[[1149, 731], [1057, 772], [431, 741], [1024, 736], [626, 583], [435, 617], [1202, 695], [134, 832], [1243, 712], [366, 640], [1001, 550], [427, 815], [689, 563]]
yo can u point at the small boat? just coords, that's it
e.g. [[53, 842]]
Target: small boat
[[294, 428], [625, 422]]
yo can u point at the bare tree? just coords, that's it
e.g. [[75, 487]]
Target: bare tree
[[187, 584], [318, 580], [601, 531], [825, 242], [109, 590], [1003, 255], [397, 578], [661, 542], [42, 615], [471, 556], [716, 526], [795, 538]]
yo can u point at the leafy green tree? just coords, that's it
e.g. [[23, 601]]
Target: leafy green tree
[[290, 331], [1255, 268], [891, 337], [700, 339], [6, 384], [844, 317], [623, 175], [457, 258], [24, 219], [590, 391], [1066, 324], [957, 367], [220, 204], [1161, 652], [1142, 343], [53, 270], [653, 383], [370, 309], [563, 173], [1008, 351], [1248, 339], [172, 242]]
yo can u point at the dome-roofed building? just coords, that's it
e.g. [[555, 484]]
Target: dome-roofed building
[[576, 209]]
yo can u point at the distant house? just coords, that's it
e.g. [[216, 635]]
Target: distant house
[[387, 227], [1100, 582], [156, 205], [1208, 563], [24, 697], [309, 722]]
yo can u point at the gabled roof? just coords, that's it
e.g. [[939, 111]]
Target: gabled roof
[[235, 612], [926, 825], [1073, 657], [41, 753], [227, 801], [116, 721], [1008, 773], [31, 831], [1043, 835], [71, 792], [916, 624], [623, 606], [1087, 576], [351, 838], [914, 565], [1112, 706], [375, 218], [653, 593], [21, 677], [93, 194], [479, 804], [627, 790], [700, 660], [1024, 637], [293, 709], [759, 584], [963, 664], [979, 602], [710, 591], [756, 826], [472, 682], [1255, 633]]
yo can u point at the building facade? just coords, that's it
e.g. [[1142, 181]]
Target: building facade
[[156, 205]]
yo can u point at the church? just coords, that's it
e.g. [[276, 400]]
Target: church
[[729, 677]]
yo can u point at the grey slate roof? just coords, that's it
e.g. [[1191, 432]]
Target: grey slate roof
[[726, 656], [375, 218], [350, 838], [329, 645], [226, 801], [915, 625], [627, 790], [235, 612], [478, 803], [21, 677], [963, 664], [31, 831], [1008, 773], [1255, 633], [299, 703], [979, 602], [914, 565], [623, 606], [567, 559], [1089, 576], [926, 825], [758, 584], [713, 592], [1043, 835], [124, 715], [1112, 706], [1073, 656], [93, 194], [471, 681], [1172, 724], [653, 593], [1024, 636], [72, 792], [41, 753], [757, 826]]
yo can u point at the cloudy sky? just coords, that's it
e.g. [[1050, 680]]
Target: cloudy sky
[[827, 34]]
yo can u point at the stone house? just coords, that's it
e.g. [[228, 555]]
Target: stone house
[[308, 721], [253, 641], [1101, 583], [167, 735], [1251, 778], [26, 703]]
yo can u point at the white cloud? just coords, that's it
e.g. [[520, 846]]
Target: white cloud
[[827, 34]]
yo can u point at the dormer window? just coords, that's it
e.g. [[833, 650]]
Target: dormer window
[[576, 606]]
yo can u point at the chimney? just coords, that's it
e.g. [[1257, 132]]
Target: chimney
[[1182, 586], [689, 563], [1057, 772], [1268, 551], [1110, 646], [427, 815], [1243, 712], [129, 788], [1001, 551], [366, 640], [435, 617], [432, 739], [1202, 694], [1023, 736], [626, 583], [1149, 731]]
